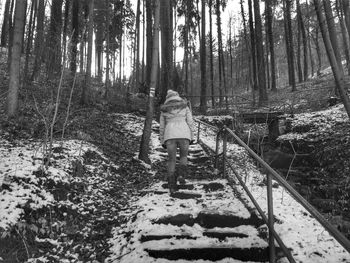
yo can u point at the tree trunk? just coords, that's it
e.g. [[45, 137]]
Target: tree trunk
[[260, 54], [107, 80], [346, 9], [344, 34], [75, 37], [54, 55], [248, 46], [332, 31], [303, 35], [220, 57], [11, 29], [147, 129], [65, 28], [300, 71], [253, 45], [101, 25], [5, 24], [337, 72], [290, 49], [87, 84], [137, 48], [203, 98], [211, 52], [318, 51], [14, 82], [29, 39], [149, 36], [39, 39], [309, 40], [167, 48], [269, 18]]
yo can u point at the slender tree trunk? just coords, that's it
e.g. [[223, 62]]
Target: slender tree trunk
[[101, 25], [332, 31], [107, 81], [87, 84], [269, 18], [14, 83], [11, 29], [318, 51], [203, 99], [346, 10], [337, 71], [290, 50], [39, 39], [344, 34], [260, 54], [305, 42], [143, 44], [5, 24], [248, 47], [65, 29], [29, 38], [75, 36], [137, 47], [253, 45], [166, 45], [149, 37], [211, 53], [220, 53], [300, 71], [309, 39], [54, 52], [147, 129]]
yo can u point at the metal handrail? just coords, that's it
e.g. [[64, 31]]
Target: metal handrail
[[272, 173]]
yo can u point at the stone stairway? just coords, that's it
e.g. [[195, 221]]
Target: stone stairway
[[205, 221]]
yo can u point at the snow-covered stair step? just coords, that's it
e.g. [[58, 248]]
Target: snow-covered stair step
[[210, 225]]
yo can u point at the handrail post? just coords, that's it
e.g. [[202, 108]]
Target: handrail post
[[272, 251], [224, 150], [199, 127], [217, 146]]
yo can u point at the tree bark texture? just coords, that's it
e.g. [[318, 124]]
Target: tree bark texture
[[53, 62], [269, 18], [253, 45], [5, 24], [203, 98], [14, 82], [87, 84], [337, 72], [75, 36], [260, 54], [167, 48], [333, 36], [290, 49], [147, 129]]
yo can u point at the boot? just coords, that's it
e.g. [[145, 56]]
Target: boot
[[182, 173], [172, 183]]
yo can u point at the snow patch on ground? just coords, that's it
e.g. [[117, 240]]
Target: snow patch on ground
[[21, 162]]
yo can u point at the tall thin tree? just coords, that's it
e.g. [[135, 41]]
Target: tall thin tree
[[203, 98], [147, 129], [289, 43], [87, 84], [337, 71], [260, 54], [271, 44], [75, 36], [166, 47], [14, 83]]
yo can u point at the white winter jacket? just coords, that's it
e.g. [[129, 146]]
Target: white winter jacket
[[176, 121]]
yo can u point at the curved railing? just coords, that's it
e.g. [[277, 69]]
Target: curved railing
[[271, 174]]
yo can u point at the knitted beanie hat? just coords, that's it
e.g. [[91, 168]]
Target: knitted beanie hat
[[171, 93]]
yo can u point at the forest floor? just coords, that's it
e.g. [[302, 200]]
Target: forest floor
[[66, 211]]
